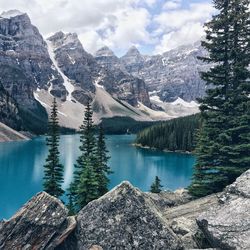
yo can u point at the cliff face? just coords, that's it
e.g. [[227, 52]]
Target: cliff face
[[25, 64], [126, 218], [9, 113]]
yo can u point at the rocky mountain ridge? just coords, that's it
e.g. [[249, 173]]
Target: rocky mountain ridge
[[126, 218], [34, 71], [171, 75]]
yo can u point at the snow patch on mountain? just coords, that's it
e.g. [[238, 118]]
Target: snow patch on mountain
[[66, 81], [180, 101]]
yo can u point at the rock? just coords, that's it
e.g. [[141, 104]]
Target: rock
[[42, 223], [182, 220], [124, 218], [227, 225], [167, 199]]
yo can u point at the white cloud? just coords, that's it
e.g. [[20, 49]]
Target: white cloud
[[188, 34], [116, 23], [172, 4], [181, 26], [169, 20]]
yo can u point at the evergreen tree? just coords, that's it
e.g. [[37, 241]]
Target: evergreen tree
[[176, 134], [102, 168], [70, 205], [156, 186], [87, 188], [86, 164], [224, 141], [88, 144], [53, 170]]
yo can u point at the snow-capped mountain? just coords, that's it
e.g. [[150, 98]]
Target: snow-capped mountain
[[33, 71], [171, 75]]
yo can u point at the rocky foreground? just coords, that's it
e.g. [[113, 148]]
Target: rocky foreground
[[126, 218]]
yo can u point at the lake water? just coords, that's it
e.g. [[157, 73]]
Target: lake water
[[21, 167]]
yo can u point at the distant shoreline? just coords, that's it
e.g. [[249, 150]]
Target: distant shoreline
[[138, 145]]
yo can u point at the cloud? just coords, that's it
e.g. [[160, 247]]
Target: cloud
[[149, 24], [172, 4], [188, 34], [181, 26]]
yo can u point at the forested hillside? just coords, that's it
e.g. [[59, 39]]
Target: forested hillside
[[174, 135]]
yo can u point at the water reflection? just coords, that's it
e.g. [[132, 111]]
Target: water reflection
[[21, 167]]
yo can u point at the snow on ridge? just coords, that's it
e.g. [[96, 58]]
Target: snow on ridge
[[155, 98], [66, 82], [97, 84], [180, 101]]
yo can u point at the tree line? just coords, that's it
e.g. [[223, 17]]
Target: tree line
[[91, 168], [173, 135]]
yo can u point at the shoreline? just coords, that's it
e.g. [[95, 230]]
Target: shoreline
[[164, 150]]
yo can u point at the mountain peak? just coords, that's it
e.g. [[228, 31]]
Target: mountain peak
[[56, 36], [11, 13], [104, 51], [133, 51]]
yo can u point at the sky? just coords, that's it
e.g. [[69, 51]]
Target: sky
[[153, 26]]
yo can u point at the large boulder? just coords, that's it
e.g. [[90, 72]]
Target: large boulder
[[124, 218], [227, 225], [42, 223]]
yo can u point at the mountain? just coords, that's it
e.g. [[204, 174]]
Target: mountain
[[172, 75], [33, 71], [25, 65]]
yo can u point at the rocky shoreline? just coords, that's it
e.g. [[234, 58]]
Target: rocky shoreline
[[126, 218]]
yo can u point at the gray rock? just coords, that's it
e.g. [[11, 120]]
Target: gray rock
[[182, 220], [42, 223], [227, 225], [124, 218], [166, 199]]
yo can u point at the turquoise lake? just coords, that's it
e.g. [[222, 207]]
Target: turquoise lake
[[21, 167]]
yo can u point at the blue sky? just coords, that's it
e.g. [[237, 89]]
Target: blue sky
[[154, 26]]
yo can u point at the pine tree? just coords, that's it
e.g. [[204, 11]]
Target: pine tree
[[53, 170], [88, 144], [224, 141], [70, 205], [156, 186], [87, 188], [85, 161], [102, 168]]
